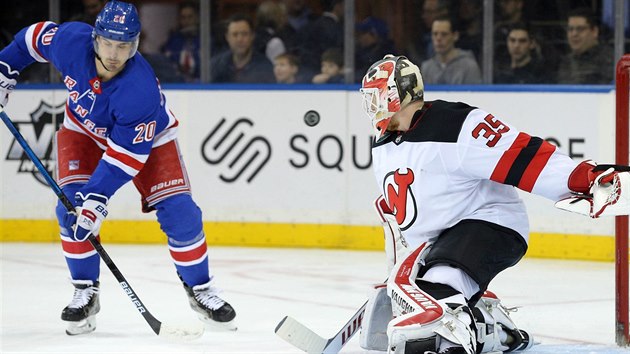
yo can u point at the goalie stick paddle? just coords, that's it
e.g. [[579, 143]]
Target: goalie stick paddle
[[305, 339], [161, 329]]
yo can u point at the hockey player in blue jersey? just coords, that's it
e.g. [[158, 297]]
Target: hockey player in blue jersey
[[117, 128]]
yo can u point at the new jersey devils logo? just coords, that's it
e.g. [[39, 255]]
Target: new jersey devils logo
[[397, 188]]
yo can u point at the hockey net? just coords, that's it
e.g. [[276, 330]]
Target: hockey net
[[622, 83]]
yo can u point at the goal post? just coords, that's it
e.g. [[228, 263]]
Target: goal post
[[622, 101]]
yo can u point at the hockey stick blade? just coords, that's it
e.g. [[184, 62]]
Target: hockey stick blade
[[300, 336], [305, 339], [179, 333]]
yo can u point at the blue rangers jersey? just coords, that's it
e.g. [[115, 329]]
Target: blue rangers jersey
[[126, 116]]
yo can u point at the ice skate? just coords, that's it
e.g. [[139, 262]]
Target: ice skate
[[518, 340], [496, 329], [211, 309], [80, 313]]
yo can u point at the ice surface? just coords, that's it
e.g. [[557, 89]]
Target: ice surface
[[567, 305]]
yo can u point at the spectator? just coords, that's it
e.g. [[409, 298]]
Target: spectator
[[241, 63], [165, 70], [422, 47], [450, 65], [270, 18], [286, 68], [182, 45], [91, 8], [299, 15], [373, 43], [588, 61], [509, 13], [608, 18], [525, 66], [331, 68], [323, 33], [469, 16]]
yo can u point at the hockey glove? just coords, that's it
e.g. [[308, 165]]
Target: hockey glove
[[7, 82], [68, 222], [90, 215], [602, 190]]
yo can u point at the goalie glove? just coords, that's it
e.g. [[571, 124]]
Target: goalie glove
[[600, 190], [90, 215]]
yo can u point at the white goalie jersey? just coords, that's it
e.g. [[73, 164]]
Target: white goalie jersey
[[458, 162]]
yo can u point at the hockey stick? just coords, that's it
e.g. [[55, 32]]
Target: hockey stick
[[305, 339], [161, 329]]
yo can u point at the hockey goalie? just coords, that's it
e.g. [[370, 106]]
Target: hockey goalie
[[453, 220]]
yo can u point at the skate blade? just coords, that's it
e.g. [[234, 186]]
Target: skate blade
[[87, 325], [218, 326]]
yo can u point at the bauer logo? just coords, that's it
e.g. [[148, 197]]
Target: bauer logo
[[167, 184], [240, 154], [38, 133]]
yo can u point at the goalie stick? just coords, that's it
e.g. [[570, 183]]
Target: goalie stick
[[161, 329], [305, 339]]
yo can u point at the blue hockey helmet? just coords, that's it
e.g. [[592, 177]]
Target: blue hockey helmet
[[118, 21]]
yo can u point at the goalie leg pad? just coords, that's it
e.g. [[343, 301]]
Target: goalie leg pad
[[420, 317], [421, 331], [378, 313]]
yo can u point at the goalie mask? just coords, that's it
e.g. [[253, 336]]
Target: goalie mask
[[389, 85], [118, 21]]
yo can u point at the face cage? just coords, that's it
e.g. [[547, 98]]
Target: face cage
[[376, 109], [134, 44]]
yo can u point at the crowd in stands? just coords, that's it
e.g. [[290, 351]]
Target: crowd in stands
[[288, 41]]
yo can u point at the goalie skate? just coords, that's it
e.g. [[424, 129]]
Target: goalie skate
[[493, 320], [80, 313], [210, 308]]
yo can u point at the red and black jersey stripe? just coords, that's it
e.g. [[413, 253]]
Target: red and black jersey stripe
[[523, 162], [438, 121]]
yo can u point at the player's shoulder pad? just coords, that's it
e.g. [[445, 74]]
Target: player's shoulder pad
[[438, 121], [72, 33], [71, 41]]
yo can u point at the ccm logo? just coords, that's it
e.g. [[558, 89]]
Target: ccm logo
[[167, 184]]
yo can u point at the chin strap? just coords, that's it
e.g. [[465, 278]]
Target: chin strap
[[101, 60]]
